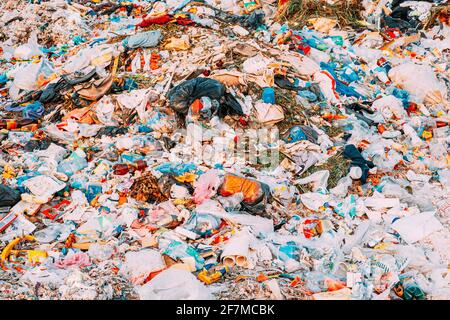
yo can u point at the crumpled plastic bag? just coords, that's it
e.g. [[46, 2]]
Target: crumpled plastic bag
[[186, 253], [414, 228], [182, 95], [32, 111], [202, 224], [304, 153], [143, 40], [206, 185], [137, 99], [79, 259], [390, 106], [174, 284], [138, 265], [99, 56], [104, 110], [256, 194], [424, 86], [56, 231], [32, 76], [327, 85], [8, 196], [28, 50], [45, 274], [313, 200], [319, 180], [256, 65]]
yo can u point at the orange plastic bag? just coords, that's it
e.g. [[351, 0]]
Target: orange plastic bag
[[83, 115], [233, 184], [334, 285]]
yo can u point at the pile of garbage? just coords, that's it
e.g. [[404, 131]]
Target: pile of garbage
[[213, 150]]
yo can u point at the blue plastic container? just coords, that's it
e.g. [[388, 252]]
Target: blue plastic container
[[268, 95]]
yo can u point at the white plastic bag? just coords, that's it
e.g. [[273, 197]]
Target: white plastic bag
[[174, 284], [423, 86], [416, 227], [26, 77], [28, 50], [314, 201], [319, 179], [390, 106], [138, 265], [255, 65]]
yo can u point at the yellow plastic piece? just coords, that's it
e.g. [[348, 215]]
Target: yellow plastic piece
[[34, 256], [180, 202], [115, 66], [381, 246], [209, 277], [8, 172], [187, 177], [7, 250], [427, 134]]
